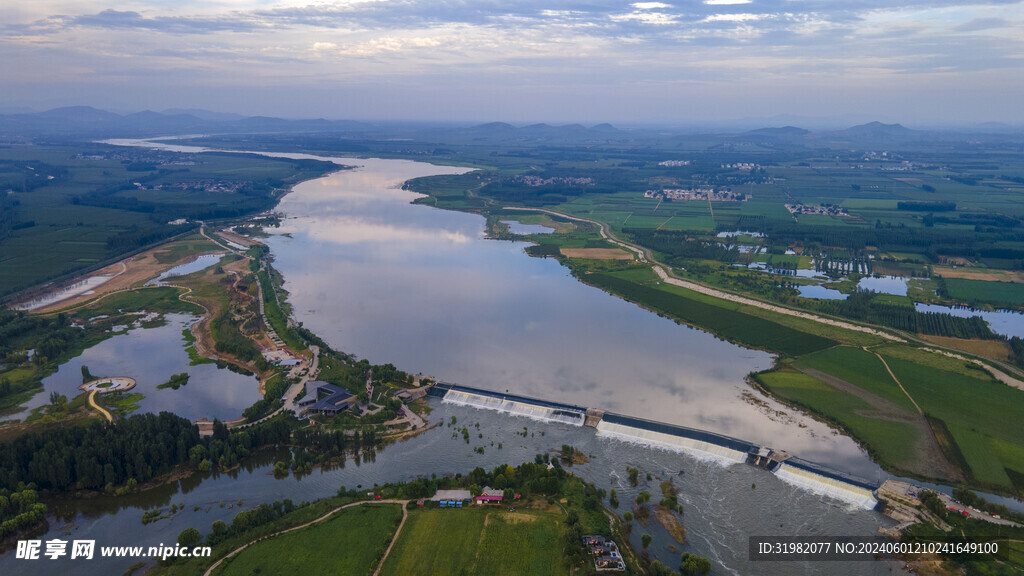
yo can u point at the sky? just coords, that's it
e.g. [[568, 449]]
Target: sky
[[674, 62]]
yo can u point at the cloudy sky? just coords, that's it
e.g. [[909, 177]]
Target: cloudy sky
[[914, 61]]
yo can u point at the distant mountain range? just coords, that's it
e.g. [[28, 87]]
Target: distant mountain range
[[84, 122]]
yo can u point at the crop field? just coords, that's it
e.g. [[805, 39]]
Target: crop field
[[81, 207], [477, 540], [891, 442], [350, 542], [978, 290], [982, 414], [860, 368]]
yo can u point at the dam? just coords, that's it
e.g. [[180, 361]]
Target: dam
[[510, 404], [700, 444]]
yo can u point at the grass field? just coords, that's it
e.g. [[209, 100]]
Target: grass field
[[890, 442], [69, 213], [727, 323], [982, 291], [860, 368], [476, 540], [982, 414], [349, 543]]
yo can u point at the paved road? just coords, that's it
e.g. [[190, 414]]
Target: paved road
[[405, 514], [290, 394]]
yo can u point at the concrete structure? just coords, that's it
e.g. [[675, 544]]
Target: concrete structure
[[326, 398], [451, 495], [105, 385]]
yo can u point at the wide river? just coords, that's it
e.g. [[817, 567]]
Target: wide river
[[423, 289]]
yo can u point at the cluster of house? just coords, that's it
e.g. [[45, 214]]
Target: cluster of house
[[673, 163], [605, 552], [819, 209], [457, 498], [708, 193], [536, 181]]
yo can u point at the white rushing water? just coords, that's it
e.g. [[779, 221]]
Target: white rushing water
[[542, 413], [696, 448], [830, 487]]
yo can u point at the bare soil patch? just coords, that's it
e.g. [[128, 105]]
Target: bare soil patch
[[129, 272], [671, 523], [994, 349], [974, 274], [597, 253]]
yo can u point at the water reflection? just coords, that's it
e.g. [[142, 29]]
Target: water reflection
[[722, 505], [151, 356], [1005, 322], [394, 282]]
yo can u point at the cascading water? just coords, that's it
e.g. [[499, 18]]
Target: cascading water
[[831, 487], [697, 448], [516, 408]]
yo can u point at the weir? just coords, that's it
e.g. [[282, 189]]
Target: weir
[[698, 443], [515, 405], [701, 444]]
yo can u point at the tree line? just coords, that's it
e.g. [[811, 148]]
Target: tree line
[[102, 455], [861, 305]]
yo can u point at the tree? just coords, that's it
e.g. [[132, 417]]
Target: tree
[[692, 565], [219, 527], [643, 497], [189, 537], [613, 499], [645, 540]]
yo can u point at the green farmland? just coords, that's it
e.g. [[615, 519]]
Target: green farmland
[[477, 540], [350, 542], [74, 208]]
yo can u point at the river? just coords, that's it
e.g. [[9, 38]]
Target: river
[[422, 288]]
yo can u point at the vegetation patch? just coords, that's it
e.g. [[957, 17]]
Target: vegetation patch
[[351, 541]]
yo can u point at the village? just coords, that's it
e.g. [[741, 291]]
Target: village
[[708, 194], [817, 209]]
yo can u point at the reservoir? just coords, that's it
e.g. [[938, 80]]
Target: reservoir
[[421, 288], [391, 281]]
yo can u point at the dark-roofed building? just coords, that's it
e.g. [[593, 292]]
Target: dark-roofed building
[[326, 398]]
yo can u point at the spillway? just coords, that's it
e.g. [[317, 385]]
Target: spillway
[[512, 404], [698, 443], [703, 445], [830, 483]]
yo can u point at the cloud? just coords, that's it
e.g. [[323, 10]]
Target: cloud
[[649, 5], [734, 17], [979, 24], [726, 2]]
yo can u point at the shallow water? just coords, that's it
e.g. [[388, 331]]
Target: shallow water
[[517, 227], [723, 505], [201, 262], [151, 356], [1005, 322]]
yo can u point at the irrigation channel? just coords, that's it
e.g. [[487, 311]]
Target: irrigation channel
[[379, 277]]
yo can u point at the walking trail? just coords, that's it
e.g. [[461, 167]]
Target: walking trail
[[405, 514]]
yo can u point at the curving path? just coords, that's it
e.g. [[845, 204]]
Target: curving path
[[92, 402], [405, 514]]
